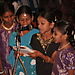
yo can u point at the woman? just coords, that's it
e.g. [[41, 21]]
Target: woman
[[6, 27]]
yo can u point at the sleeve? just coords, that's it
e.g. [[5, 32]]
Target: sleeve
[[70, 59], [33, 42]]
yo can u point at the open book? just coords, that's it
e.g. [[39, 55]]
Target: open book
[[23, 49]]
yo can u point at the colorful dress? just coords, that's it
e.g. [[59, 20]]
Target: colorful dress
[[64, 61], [4, 47], [47, 48], [29, 63]]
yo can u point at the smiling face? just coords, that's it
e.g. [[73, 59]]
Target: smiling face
[[25, 19], [58, 36], [43, 25]]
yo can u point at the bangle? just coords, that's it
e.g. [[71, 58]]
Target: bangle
[[1, 72]]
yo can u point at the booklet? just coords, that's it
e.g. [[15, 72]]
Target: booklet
[[23, 49]]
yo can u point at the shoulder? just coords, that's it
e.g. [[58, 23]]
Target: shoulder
[[34, 30], [14, 33], [36, 35], [70, 52]]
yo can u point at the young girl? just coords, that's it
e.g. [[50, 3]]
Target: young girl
[[7, 26], [64, 63], [24, 17], [43, 43]]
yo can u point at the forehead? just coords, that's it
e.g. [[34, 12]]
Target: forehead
[[8, 13], [57, 31], [24, 16], [40, 18]]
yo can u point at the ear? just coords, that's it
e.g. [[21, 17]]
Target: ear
[[52, 25]]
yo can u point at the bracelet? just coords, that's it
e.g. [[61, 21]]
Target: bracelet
[[2, 72]]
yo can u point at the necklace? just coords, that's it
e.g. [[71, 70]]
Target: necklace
[[45, 44], [63, 46], [7, 28]]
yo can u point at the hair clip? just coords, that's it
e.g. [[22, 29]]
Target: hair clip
[[72, 32]]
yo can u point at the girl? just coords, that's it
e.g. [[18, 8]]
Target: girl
[[6, 27], [43, 43], [24, 17], [64, 63]]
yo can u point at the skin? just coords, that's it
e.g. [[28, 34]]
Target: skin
[[58, 38], [24, 20], [8, 18], [45, 29], [44, 26]]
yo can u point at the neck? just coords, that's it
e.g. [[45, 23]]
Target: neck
[[8, 26], [47, 35], [64, 46]]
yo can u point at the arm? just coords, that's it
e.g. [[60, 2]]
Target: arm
[[41, 55], [54, 55], [71, 72]]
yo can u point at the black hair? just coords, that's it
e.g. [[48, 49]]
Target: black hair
[[52, 15], [66, 28], [24, 9], [6, 7], [47, 15]]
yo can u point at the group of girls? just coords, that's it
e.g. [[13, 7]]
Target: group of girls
[[53, 43]]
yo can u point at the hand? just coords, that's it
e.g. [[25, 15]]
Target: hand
[[19, 53], [35, 54]]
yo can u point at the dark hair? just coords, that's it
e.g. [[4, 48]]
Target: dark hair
[[52, 14], [47, 15], [6, 7], [66, 28], [24, 9]]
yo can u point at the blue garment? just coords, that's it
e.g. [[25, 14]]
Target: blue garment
[[29, 63]]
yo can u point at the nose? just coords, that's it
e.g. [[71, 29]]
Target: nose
[[9, 18], [39, 26], [25, 22]]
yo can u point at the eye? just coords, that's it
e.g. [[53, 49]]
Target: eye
[[8, 16], [11, 15], [21, 19], [42, 23]]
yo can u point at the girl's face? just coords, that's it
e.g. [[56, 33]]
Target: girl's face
[[58, 36], [8, 17], [25, 19], [43, 25]]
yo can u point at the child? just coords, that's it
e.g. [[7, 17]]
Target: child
[[43, 43], [7, 26], [64, 63], [24, 17]]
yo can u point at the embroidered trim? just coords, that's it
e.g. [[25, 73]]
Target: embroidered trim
[[44, 43]]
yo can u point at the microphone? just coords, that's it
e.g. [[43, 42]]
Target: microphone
[[21, 28], [18, 40]]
